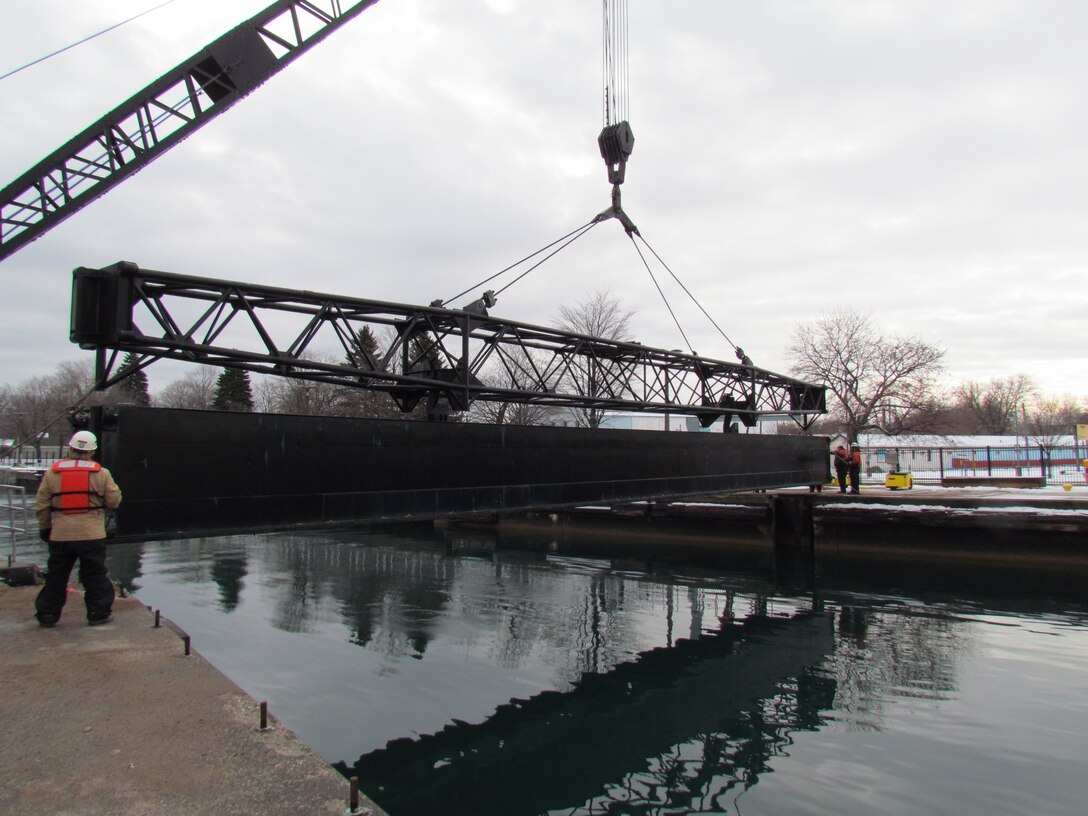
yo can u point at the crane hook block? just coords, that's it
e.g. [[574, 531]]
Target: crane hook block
[[616, 143]]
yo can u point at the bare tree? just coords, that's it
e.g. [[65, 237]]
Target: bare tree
[[288, 395], [995, 407], [1049, 419], [600, 315], [36, 410], [195, 390], [519, 370], [876, 382]]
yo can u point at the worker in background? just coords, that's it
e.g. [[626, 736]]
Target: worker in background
[[71, 507], [842, 466], [854, 460], [1085, 463]]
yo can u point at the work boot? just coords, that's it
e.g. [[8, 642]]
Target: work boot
[[99, 621], [47, 621]]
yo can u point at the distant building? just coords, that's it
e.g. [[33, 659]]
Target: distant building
[[767, 424], [946, 453]]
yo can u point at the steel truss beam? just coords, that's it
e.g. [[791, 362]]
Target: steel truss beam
[[156, 118], [445, 357]]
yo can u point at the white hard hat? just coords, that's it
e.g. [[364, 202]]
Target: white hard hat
[[83, 441]]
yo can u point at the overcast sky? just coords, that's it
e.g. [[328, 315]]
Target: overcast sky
[[922, 161]]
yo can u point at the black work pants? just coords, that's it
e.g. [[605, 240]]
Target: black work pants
[[840, 477], [97, 587], [855, 478]]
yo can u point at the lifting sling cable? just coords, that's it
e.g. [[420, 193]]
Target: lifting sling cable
[[583, 231], [660, 292], [680, 283], [577, 233]]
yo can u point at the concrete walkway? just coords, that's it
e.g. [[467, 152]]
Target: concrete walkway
[[115, 720]]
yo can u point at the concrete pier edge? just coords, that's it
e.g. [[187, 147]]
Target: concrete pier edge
[[117, 719]]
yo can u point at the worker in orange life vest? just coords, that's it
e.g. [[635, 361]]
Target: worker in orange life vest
[[842, 466], [71, 507], [854, 460]]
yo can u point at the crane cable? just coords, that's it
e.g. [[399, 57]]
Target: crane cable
[[615, 67], [616, 111], [576, 233], [617, 142], [85, 39]]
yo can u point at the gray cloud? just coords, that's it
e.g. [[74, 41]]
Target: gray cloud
[[921, 161]]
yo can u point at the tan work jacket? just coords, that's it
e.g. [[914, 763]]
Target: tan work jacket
[[86, 526]]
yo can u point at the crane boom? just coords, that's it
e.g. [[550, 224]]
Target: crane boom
[[444, 354], [156, 118]]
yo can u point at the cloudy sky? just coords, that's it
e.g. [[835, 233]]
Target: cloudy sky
[[922, 161]]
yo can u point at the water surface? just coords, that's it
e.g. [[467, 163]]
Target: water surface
[[462, 680]]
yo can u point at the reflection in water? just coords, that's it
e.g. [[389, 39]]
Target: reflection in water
[[679, 726], [458, 677], [891, 648], [228, 573]]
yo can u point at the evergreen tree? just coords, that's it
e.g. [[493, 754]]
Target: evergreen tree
[[233, 391], [363, 349], [133, 388], [364, 353]]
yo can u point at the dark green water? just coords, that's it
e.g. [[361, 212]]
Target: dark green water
[[498, 683]]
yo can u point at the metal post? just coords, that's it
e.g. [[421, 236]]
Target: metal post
[[10, 493]]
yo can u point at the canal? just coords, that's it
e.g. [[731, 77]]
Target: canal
[[456, 677]]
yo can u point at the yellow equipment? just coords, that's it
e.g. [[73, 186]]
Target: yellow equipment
[[894, 481]]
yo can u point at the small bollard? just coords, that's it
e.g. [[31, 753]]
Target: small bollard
[[353, 801], [158, 613], [185, 640], [264, 715]]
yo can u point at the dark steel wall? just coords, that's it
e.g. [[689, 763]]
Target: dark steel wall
[[189, 472]]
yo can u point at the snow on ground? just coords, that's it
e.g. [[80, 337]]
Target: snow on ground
[[1003, 509]]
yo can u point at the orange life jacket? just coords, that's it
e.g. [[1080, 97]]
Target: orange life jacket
[[75, 485]]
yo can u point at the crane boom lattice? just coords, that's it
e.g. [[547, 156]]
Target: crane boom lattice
[[436, 355]]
